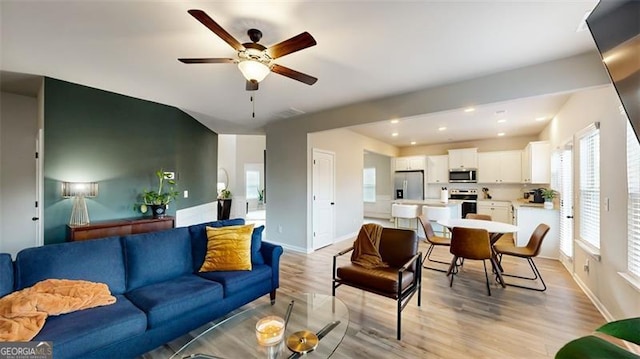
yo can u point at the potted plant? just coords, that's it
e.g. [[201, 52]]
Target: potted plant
[[224, 204], [158, 200], [548, 194]]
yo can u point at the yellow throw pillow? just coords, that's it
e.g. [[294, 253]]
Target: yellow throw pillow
[[228, 248]]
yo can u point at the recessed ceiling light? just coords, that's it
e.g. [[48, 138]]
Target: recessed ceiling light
[[503, 120], [470, 109], [413, 143], [501, 134], [395, 134], [541, 119], [442, 128], [395, 121]]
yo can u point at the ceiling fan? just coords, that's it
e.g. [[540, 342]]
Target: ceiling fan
[[255, 61]]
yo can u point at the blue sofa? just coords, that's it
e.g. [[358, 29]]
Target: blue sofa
[[154, 276]]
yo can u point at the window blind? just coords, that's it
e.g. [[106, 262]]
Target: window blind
[[252, 184], [561, 181], [589, 195], [633, 202], [369, 184]]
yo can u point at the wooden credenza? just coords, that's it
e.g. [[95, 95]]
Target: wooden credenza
[[119, 227]]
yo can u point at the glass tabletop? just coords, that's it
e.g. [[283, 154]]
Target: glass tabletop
[[235, 337]]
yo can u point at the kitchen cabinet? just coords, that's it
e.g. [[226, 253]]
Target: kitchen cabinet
[[412, 163], [536, 163], [498, 210], [438, 169], [500, 167], [463, 158], [528, 218]]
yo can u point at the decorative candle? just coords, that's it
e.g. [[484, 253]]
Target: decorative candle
[[270, 330]]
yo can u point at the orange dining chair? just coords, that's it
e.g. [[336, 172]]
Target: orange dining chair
[[470, 243], [433, 241], [532, 249]]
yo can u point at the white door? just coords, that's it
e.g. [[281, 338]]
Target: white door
[[323, 198]]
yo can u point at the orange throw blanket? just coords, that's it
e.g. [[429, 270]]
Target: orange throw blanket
[[365, 248], [23, 313]]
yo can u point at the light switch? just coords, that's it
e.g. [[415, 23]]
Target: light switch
[[186, 194], [606, 204]]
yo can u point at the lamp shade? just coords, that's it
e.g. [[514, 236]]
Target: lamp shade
[[253, 70], [76, 189]]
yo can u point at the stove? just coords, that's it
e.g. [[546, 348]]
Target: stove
[[469, 198]]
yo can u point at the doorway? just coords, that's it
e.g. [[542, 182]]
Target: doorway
[[323, 198]]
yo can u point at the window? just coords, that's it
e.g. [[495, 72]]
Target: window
[[562, 181], [369, 184], [253, 184], [589, 190], [633, 202]]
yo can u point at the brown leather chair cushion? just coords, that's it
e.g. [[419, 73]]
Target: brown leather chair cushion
[[384, 279], [513, 250], [397, 246]]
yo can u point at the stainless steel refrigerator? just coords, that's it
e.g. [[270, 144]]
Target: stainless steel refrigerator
[[409, 185]]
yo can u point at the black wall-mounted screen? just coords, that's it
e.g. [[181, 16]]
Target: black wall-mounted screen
[[615, 27]]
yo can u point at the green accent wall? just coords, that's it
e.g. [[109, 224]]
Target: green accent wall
[[92, 135]]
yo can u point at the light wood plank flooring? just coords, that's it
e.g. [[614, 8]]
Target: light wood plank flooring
[[457, 322]]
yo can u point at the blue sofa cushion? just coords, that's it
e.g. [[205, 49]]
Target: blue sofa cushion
[[256, 244], [157, 256], [173, 298], [87, 330], [199, 239], [6, 274], [235, 281], [96, 260]]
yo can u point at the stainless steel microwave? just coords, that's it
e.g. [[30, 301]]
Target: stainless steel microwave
[[463, 176]]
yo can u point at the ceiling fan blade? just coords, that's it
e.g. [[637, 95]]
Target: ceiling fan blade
[[207, 61], [294, 44], [252, 85], [293, 74], [217, 29]]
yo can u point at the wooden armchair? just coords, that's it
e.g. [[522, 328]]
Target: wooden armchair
[[400, 281]]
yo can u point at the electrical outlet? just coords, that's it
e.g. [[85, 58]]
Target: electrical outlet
[[279, 229], [186, 194], [586, 266]]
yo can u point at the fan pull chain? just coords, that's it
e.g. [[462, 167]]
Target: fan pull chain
[[253, 107]]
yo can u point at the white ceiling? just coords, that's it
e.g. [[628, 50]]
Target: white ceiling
[[366, 49]]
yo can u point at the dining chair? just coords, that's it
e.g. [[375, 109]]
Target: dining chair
[[532, 249], [399, 281], [485, 217], [433, 241], [434, 214], [470, 243]]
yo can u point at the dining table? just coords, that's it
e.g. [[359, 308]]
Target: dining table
[[495, 230]]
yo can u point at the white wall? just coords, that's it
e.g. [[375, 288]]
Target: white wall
[[498, 144], [349, 148], [18, 133], [381, 208], [615, 297]]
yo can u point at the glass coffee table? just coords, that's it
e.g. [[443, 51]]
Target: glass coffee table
[[235, 337]]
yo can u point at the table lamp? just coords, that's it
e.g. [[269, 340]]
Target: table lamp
[[79, 190]]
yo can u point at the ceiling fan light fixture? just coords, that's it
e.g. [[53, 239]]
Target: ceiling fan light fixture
[[253, 70]]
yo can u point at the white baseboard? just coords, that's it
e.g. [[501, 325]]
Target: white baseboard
[[601, 308]]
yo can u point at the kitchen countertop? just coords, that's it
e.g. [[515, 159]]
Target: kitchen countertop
[[428, 202], [525, 203]]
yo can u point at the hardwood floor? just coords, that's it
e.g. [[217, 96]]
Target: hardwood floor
[[457, 322]]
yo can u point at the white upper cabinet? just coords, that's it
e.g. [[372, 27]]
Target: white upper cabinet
[[463, 158], [438, 169], [500, 167], [536, 163], [412, 163]]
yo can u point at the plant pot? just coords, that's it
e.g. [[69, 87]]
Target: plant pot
[[548, 204], [158, 210]]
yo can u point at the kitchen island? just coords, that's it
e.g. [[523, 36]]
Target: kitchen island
[[454, 206]]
